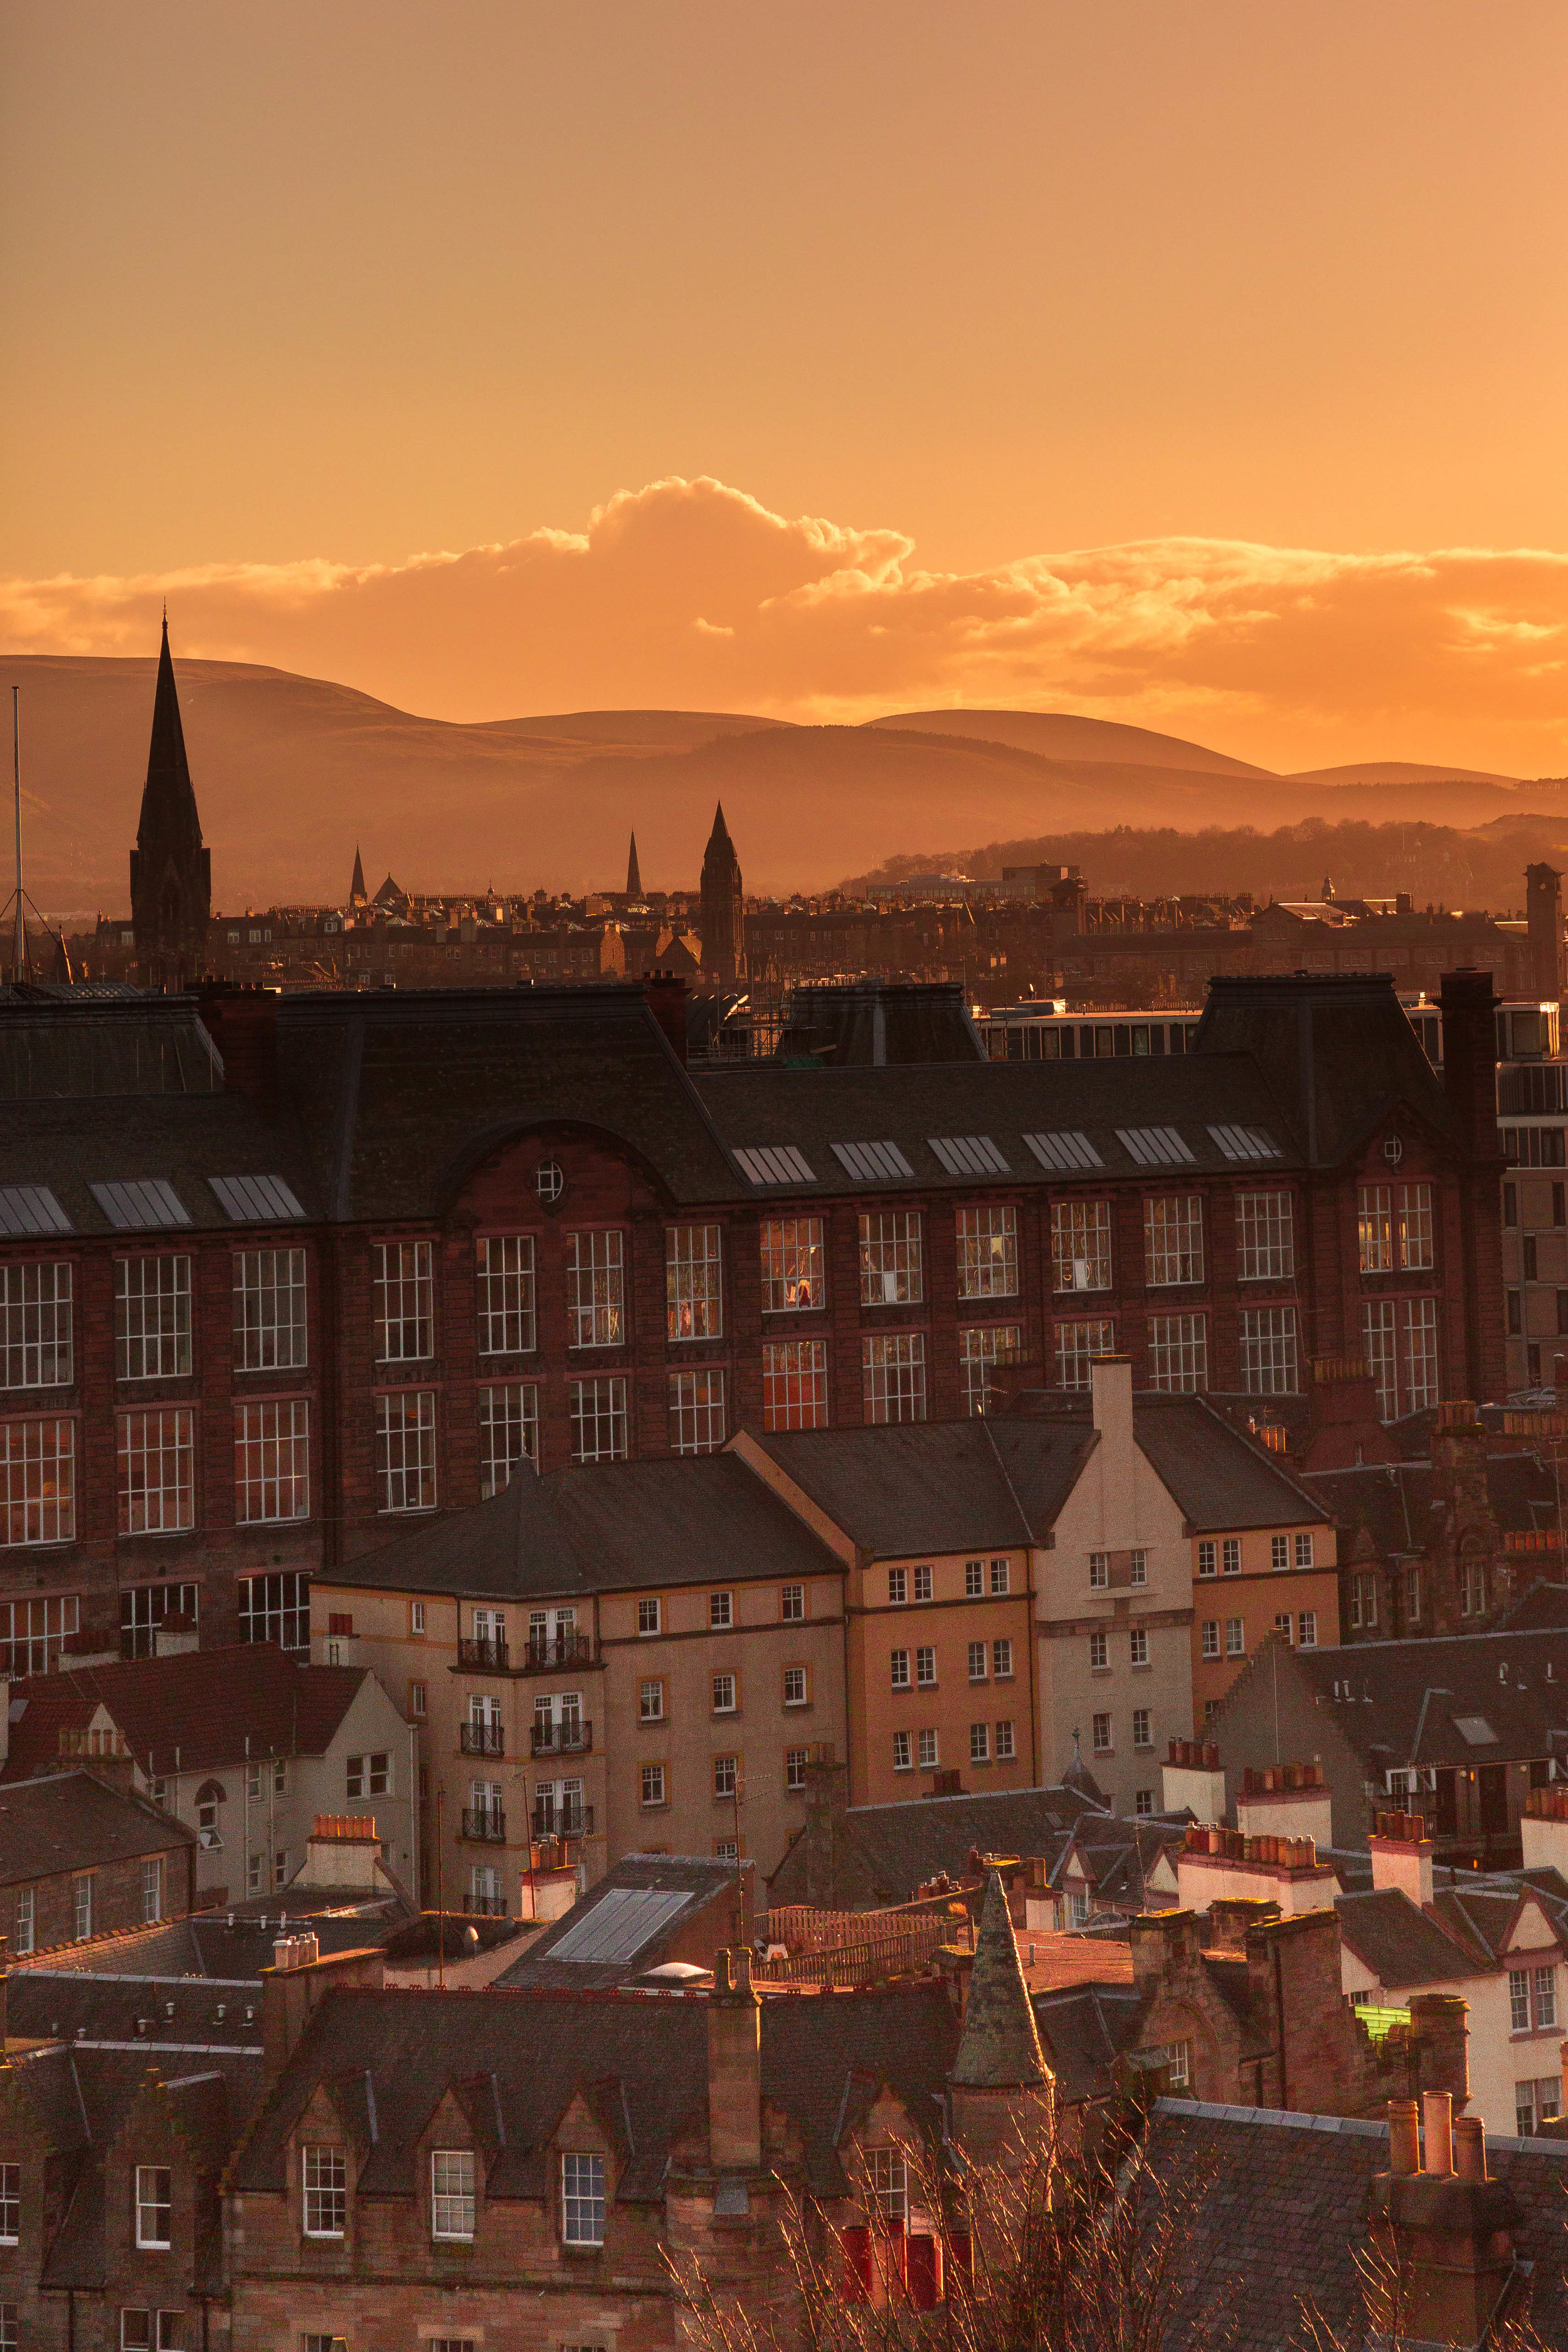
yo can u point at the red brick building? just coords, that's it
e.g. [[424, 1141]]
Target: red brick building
[[80, 1857]]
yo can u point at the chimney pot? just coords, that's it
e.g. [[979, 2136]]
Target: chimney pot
[[1437, 2116], [1403, 2135], [1471, 2148]]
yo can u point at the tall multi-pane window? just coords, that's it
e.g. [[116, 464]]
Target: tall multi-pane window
[[892, 1273], [152, 1890], [988, 1253], [1269, 1358], [893, 1376], [794, 1384], [1377, 1339], [157, 1472], [1374, 1228], [405, 1451], [792, 1265], [270, 1332], [146, 1609], [325, 2181], [503, 1294], [582, 2200], [596, 1289], [37, 1482], [152, 1318], [508, 1433], [275, 1608], [981, 1347], [694, 1282], [452, 2192], [1078, 1345], [272, 1461], [404, 1288], [1418, 1353], [33, 1634], [24, 1921], [696, 1412], [1174, 1239], [1080, 1245], [10, 2204], [1265, 1237], [155, 2205], [599, 1415], [1415, 1227], [36, 1327], [1179, 1352]]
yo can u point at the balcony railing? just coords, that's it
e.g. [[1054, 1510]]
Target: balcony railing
[[571, 1737], [563, 1820], [481, 1738], [488, 1906], [484, 1657], [487, 1825], [546, 1651]]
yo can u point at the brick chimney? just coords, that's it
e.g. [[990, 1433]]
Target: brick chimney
[[1469, 1056], [296, 1982], [826, 1802], [664, 995], [1448, 2228], [734, 2066], [1111, 1390], [241, 1018], [1402, 1856], [1193, 1781], [1285, 1801]]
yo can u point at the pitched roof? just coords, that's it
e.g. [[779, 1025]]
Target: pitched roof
[[621, 1928], [1400, 1943], [999, 2047], [182, 2014], [935, 1486], [73, 1821], [1218, 1475], [1397, 1503], [193, 1712], [884, 1852]]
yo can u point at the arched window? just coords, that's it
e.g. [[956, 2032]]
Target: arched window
[[209, 1797]]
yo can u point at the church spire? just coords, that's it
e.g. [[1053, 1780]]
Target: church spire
[[171, 872], [633, 877], [356, 888], [724, 906]]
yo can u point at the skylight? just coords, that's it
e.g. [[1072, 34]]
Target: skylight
[[969, 1155], [1246, 1143], [1476, 1730], [255, 1200], [1065, 1148], [620, 1924], [140, 1203], [1153, 1147], [31, 1209], [873, 1163], [774, 1163]]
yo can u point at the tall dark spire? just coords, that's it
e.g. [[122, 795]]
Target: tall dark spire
[[356, 888], [724, 906], [634, 877], [999, 2049], [171, 872]]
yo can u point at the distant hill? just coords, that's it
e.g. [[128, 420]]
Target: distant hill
[[291, 772]]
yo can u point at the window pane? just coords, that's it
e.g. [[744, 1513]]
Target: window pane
[[693, 1282], [36, 1327], [152, 1318], [893, 1377], [595, 1290], [1265, 1235], [157, 1490], [37, 1482], [405, 1451], [987, 1252], [269, 1324], [792, 1265], [980, 1349], [794, 1384], [1179, 1352], [696, 1412], [509, 1433], [1078, 1345], [598, 1411], [404, 1302], [1080, 1245], [272, 1462], [1174, 1239], [503, 1283], [1268, 1364], [892, 1273]]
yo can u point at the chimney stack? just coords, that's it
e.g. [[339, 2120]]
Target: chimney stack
[[1402, 1856], [734, 2066], [241, 1018], [1110, 1392], [664, 995], [1452, 2228]]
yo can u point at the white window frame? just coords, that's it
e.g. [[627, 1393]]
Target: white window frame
[[157, 1471], [694, 1282], [406, 1465], [1173, 1239], [324, 2189], [582, 2199], [1265, 1237], [272, 1461], [402, 1284], [596, 1291], [153, 1317], [505, 1304], [892, 1268], [271, 1313], [508, 1432], [1178, 1347], [36, 1333], [1270, 1365], [893, 1377], [794, 1384], [697, 1421], [1080, 1246], [37, 1482], [150, 2203], [988, 1252], [597, 1410], [793, 1279], [452, 2183]]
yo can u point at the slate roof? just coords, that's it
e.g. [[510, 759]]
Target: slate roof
[[644, 2060], [694, 1882], [885, 1851], [1403, 1702], [1218, 1475], [204, 1704], [1397, 1503], [185, 1138], [221, 1945], [182, 2011], [73, 1821], [1282, 2217], [1401, 1944], [935, 1486], [1544, 1608], [1084, 2029], [602, 1526]]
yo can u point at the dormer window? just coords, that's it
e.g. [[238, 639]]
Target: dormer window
[[582, 2200], [154, 2207], [452, 2194], [889, 2181], [325, 2182]]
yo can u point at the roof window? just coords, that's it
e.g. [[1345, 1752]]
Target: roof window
[[1153, 1147], [31, 1209], [1246, 1143], [141, 1203], [873, 1163], [1065, 1148], [969, 1155], [255, 1200], [774, 1163]]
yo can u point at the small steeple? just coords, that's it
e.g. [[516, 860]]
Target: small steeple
[[356, 888], [634, 877], [999, 2049]]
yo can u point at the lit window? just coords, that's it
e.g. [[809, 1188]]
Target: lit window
[[272, 1462], [38, 1483], [1415, 1227], [893, 1377], [599, 1415], [503, 1288], [694, 1282], [157, 1477], [405, 1451], [452, 2192], [988, 1253], [152, 1318], [268, 1310], [1174, 1240], [154, 2206], [892, 1273], [1374, 1228], [405, 1296], [794, 1384], [696, 1412], [1080, 1246], [792, 1265], [36, 1350], [582, 2200], [595, 1291]]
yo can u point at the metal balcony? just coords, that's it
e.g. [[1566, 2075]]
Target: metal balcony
[[563, 1820], [573, 1735], [484, 1657], [547, 1653], [481, 1739], [486, 1827]]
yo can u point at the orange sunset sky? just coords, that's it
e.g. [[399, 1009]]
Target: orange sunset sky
[[1200, 363]]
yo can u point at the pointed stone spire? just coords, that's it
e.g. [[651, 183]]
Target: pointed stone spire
[[633, 877], [724, 906], [171, 872], [999, 2049], [356, 888]]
